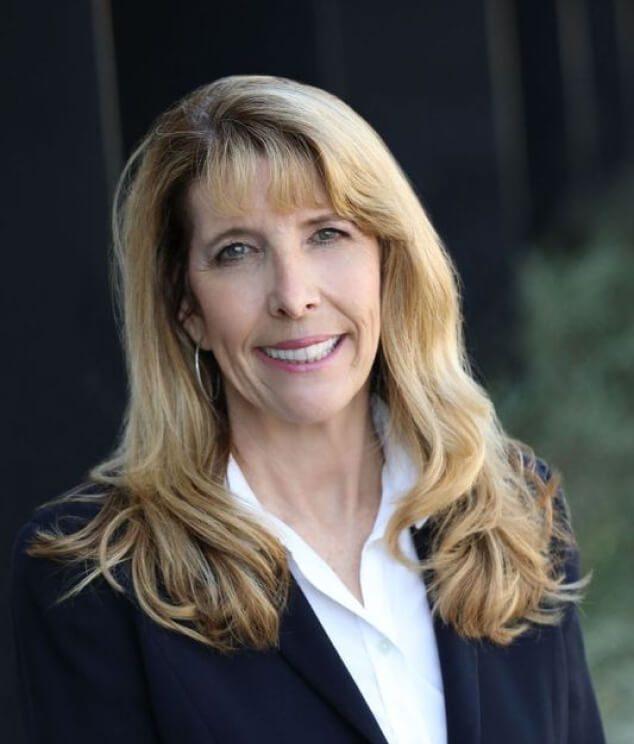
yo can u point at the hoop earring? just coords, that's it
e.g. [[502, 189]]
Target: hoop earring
[[197, 366], [215, 389]]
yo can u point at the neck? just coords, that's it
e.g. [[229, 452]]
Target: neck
[[326, 474]]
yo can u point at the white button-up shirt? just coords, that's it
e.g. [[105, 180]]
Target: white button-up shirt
[[388, 643]]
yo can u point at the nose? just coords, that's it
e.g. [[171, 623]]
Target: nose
[[294, 289]]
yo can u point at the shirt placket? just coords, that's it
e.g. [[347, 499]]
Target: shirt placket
[[382, 644]]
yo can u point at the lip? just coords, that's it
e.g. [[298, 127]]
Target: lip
[[300, 343], [304, 367]]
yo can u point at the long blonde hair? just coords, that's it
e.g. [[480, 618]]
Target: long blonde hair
[[199, 564]]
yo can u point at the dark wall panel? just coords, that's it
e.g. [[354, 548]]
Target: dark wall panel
[[165, 53], [62, 374], [603, 26], [543, 90]]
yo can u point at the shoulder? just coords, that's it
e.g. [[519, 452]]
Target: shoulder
[[42, 581], [81, 673], [61, 517], [537, 465], [564, 550], [549, 476], [61, 610]]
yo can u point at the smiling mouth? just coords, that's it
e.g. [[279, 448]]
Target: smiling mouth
[[312, 353]]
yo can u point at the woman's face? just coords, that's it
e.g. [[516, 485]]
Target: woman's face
[[289, 304]]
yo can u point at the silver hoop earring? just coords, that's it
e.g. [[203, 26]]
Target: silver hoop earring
[[197, 366], [215, 389]]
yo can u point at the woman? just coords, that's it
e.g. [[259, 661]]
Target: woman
[[314, 528]]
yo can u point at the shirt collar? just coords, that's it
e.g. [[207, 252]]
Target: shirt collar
[[399, 471]]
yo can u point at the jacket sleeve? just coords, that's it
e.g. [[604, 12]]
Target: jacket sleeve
[[80, 669], [584, 720]]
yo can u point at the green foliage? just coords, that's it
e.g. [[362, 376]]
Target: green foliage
[[574, 403]]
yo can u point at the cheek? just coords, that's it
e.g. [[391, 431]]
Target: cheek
[[229, 315], [357, 290], [366, 283]]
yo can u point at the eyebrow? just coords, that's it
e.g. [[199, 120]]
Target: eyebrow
[[243, 230], [324, 218]]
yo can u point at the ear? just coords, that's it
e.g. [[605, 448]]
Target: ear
[[193, 324]]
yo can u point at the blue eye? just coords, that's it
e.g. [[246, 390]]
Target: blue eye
[[229, 254], [331, 234]]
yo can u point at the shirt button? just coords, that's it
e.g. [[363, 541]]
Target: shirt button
[[384, 646]]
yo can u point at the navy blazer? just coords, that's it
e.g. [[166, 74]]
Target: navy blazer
[[97, 670]]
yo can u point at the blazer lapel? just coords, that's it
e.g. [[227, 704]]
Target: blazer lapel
[[306, 647], [459, 667]]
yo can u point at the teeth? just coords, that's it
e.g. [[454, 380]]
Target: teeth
[[307, 354]]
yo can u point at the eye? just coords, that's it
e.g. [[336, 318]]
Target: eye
[[329, 234], [232, 253]]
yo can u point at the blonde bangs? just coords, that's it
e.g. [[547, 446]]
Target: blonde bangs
[[232, 160], [301, 170]]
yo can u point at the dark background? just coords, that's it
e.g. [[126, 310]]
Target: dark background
[[510, 117]]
